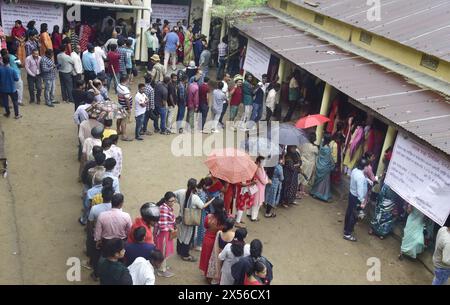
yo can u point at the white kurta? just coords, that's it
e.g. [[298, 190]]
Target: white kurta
[[185, 233], [142, 272], [229, 260]]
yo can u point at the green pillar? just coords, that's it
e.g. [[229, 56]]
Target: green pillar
[[324, 108], [388, 141]]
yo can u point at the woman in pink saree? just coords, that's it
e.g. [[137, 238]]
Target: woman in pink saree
[[261, 179]]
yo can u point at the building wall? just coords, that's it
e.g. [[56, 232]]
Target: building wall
[[379, 45], [196, 10]]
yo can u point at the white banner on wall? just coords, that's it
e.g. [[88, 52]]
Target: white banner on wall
[[25, 11], [421, 177], [173, 13], [257, 59]]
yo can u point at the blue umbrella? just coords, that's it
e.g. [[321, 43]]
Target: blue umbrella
[[260, 147], [289, 135]]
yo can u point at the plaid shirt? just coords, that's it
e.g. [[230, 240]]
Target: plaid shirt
[[166, 218], [151, 96], [31, 45], [48, 69], [123, 59], [182, 95], [223, 49]]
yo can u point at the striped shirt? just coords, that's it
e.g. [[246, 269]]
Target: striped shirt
[[48, 69], [31, 45], [166, 218], [182, 95], [123, 59], [223, 49], [151, 96]]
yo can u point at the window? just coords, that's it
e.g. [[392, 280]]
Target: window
[[365, 37], [283, 4], [319, 19], [429, 62]]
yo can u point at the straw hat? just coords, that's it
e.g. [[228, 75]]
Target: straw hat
[[238, 77], [155, 57]]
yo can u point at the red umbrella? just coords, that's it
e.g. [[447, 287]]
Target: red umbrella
[[232, 165], [311, 121]]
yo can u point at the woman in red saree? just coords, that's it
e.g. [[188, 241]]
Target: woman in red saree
[[180, 50], [213, 223], [18, 34]]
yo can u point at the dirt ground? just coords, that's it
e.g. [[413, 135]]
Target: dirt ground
[[40, 205]]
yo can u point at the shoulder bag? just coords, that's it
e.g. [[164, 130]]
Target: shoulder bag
[[191, 217]]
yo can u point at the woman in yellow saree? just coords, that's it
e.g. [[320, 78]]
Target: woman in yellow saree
[[188, 46]]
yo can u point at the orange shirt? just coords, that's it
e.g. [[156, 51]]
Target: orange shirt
[[139, 222], [46, 42]]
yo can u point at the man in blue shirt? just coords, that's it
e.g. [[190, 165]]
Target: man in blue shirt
[[14, 64], [172, 43], [358, 192], [258, 104], [139, 248], [8, 79], [89, 64]]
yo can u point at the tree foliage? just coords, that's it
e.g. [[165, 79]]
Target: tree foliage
[[232, 8]]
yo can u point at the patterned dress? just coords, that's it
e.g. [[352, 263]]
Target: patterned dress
[[201, 228], [290, 183], [273, 191], [383, 222], [244, 198]]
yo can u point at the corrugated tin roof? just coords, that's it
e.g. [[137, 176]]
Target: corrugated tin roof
[[421, 24], [417, 110]]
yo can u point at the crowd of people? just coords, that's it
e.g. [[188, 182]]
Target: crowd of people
[[121, 251]]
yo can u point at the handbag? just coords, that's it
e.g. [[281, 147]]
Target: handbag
[[173, 234], [192, 217], [153, 115], [253, 189]]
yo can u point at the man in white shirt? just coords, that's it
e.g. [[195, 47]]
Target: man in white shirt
[[142, 271], [100, 57], [80, 114], [272, 101], [109, 165], [90, 142], [264, 87], [32, 65], [141, 107], [226, 79], [77, 64]]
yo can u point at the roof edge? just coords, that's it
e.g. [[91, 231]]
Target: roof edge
[[420, 79]]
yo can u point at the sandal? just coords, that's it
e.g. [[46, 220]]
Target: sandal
[[254, 220], [189, 258], [272, 215], [284, 205], [127, 139]]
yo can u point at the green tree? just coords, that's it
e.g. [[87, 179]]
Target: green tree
[[231, 8]]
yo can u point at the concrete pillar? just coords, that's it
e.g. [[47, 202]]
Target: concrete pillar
[[324, 108], [223, 29], [141, 45], [388, 141], [282, 70], [206, 20]]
